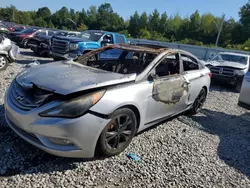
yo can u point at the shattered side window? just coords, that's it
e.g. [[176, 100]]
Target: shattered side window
[[189, 63], [168, 66], [118, 60]]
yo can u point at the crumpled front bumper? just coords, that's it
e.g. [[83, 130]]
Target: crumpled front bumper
[[82, 132]]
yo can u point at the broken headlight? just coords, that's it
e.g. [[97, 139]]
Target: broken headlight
[[73, 46], [75, 107]]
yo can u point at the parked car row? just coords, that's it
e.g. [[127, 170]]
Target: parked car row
[[8, 52]]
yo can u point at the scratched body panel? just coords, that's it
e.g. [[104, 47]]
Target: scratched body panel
[[170, 91]]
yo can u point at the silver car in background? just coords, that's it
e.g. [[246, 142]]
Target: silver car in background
[[244, 99], [74, 109]]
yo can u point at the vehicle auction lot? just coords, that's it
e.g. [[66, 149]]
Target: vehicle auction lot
[[211, 149]]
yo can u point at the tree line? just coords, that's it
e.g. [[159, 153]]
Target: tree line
[[198, 29]]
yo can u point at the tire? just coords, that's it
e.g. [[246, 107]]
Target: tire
[[4, 63], [199, 102], [93, 58], [238, 87], [25, 43], [114, 139]]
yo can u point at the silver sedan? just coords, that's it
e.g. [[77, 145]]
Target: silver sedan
[[100, 102], [244, 99]]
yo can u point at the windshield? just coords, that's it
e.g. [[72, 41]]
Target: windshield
[[118, 60], [231, 58], [29, 31], [91, 35]]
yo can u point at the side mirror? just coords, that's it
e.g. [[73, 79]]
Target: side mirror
[[151, 77]]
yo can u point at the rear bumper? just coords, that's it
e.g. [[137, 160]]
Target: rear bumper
[[13, 53], [226, 79]]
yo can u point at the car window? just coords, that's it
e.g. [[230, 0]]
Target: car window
[[41, 32], [231, 58], [108, 37], [119, 39], [189, 63], [168, 66], [50, 33]]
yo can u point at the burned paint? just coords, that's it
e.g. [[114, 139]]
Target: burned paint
[[125, 47], [169, 91]]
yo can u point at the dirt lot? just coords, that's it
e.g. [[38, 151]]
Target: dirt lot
[[211, 149]]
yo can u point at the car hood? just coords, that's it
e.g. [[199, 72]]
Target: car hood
[[227, 64], [66, 77], [72, 39], [42, 37]]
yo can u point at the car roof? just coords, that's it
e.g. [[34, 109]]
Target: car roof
[[133, 48], [137, 48]]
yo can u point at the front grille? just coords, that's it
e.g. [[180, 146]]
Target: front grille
[[223, 71], [26, 99], [60, 46], [19, 99]]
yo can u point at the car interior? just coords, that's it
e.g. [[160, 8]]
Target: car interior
[[127, 63], [189, 63], [168, 66]]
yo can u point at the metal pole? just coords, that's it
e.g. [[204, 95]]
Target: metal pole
[[220, 29], [72, 22], [13, 14]]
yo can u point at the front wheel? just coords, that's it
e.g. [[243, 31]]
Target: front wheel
[[199, 102], [118, 134], [3, 62]]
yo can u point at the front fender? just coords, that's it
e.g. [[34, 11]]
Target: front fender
[[123, 95], [83, 46]]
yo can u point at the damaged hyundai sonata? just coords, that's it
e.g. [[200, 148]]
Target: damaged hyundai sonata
[[75, 109]]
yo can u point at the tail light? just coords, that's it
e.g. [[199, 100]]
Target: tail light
[[210, 75]]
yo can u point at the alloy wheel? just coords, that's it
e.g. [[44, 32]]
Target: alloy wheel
[[3, 62], [119, 132], [199, 102]]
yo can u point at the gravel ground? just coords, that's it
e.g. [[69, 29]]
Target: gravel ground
[[210, 149]]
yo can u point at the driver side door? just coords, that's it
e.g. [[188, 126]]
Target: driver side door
[[169, 89]]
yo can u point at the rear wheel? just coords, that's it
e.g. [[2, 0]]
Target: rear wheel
[[199, 102], [118, 134], [3, 63], [25, 43]]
